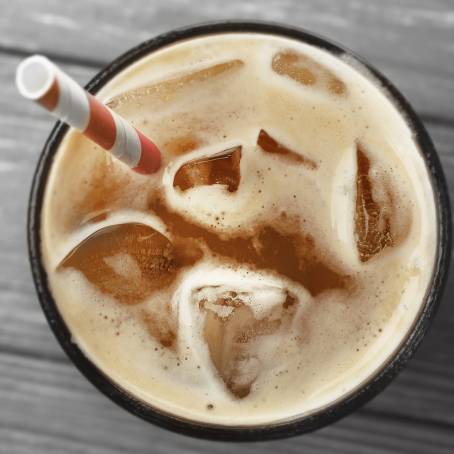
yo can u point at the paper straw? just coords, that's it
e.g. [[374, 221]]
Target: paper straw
[[40, 80]]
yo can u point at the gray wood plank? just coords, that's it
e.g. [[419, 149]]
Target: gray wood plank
[[19, 441], [46, 403], [410, 40]]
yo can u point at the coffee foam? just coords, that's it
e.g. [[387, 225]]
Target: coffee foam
[[336, 339]]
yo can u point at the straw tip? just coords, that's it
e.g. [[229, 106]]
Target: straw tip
[[34, 76], [150, 158]]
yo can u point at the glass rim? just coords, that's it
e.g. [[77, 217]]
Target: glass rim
[[273, 430]]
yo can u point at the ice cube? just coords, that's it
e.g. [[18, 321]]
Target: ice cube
[[307, 71], [168, 89], [372, 219], [161, 323], [127, 261], [221, 168], [236, 327], [271, 145]]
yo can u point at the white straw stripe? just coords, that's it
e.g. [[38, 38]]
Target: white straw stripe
[[133, 147], [118, 149], [72, 107], [127, 144]]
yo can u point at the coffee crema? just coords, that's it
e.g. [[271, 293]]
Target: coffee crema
[[280, 255]]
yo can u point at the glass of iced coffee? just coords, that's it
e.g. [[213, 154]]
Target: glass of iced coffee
[[284, 262]]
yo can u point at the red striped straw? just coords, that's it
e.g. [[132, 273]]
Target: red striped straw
[[40, 80]]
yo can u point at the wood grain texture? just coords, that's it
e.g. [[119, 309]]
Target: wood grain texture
[[46, 406]]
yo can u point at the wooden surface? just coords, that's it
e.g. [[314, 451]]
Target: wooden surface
[[46, 406]]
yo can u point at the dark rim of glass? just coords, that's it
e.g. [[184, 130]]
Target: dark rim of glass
[[299, 425]]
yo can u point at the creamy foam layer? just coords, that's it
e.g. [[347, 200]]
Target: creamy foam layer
[[332, 339]]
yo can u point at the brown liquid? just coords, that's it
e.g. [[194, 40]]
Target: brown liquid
[[222, 168], [182, 145], [373, 225], [157, 260], [271, 145], [292, 255], [307, 71]]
